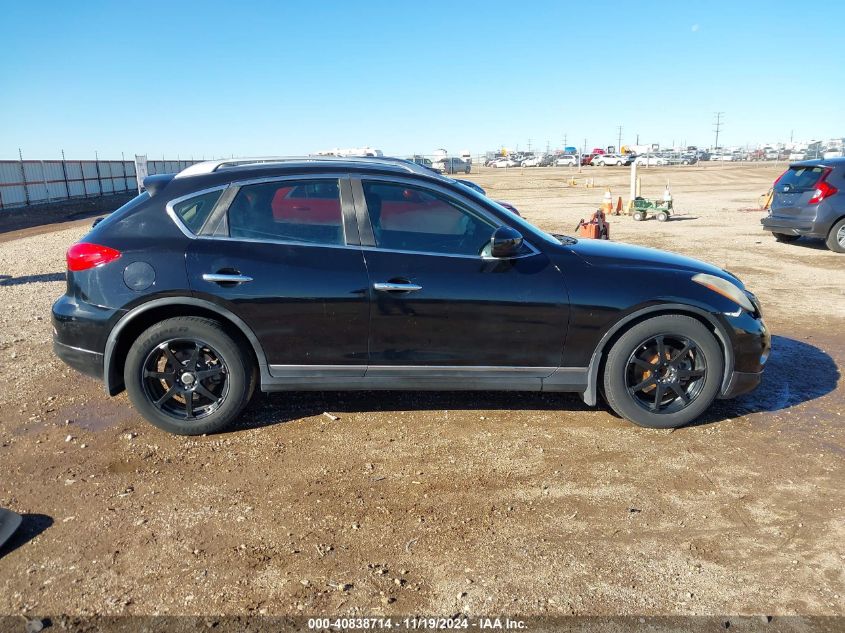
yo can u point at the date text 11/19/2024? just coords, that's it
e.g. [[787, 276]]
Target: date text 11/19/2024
[[416, 623]]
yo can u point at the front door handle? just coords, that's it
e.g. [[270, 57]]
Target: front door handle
[[396, 287], [222, 278]]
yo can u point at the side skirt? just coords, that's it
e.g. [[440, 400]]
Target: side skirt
[[420, 378]]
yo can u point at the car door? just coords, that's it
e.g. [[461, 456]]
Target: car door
[[438, 307], [280, 254]]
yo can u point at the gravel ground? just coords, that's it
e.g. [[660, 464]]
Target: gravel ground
[[517, 504]]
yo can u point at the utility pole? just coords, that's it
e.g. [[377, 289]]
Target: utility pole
[[564, 141], [619, 136], [547, 147], [529, 144], [718, 128], [638, 138]]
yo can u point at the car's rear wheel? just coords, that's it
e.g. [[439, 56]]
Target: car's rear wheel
[[836, 237], [664, 372], [186, 375], [784, 237]]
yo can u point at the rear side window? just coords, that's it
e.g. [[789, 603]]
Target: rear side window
[[193, 212], [288, 211], [800, 179]]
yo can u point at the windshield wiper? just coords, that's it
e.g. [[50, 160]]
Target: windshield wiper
[[564, 239]]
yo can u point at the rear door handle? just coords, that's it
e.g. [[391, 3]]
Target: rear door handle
[[220, 278], [396, 287]]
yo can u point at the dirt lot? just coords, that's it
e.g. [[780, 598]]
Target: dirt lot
[[514, 504]]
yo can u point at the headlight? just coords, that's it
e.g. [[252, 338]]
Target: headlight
[[726, 289]]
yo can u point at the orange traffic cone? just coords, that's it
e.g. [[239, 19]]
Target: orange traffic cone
[[619, 206]]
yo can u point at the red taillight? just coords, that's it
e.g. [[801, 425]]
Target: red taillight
[[823, 188], [83, 256]]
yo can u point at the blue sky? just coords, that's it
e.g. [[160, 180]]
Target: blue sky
[[289, 77]]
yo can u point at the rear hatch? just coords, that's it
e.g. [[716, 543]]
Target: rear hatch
[[794, 190]]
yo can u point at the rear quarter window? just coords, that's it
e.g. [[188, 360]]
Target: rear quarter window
[[194, 211]]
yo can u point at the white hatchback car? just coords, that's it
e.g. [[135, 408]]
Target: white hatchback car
[[567, 160]]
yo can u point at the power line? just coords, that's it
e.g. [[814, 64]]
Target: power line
[[718, 128]]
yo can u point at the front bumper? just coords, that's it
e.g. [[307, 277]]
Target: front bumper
[[741, 382], [752, 344]]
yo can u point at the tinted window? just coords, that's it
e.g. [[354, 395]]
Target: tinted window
[[195, 211], [411, 219], [288, 211], [800, 178]]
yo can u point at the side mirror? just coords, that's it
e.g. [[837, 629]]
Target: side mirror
[[506, 242]]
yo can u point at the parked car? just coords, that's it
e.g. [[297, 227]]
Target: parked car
[[797, 155], [689, 158], [721, 157], [566, 160], [370, 273], [809, 200], [504, 162], [650, 159], [604, 160], [533, 161], [770, 154], [548, 160], [451, 165], [420, 160], [587, 159]]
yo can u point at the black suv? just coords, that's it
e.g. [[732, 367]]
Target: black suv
[[339, 273], [809, 200]]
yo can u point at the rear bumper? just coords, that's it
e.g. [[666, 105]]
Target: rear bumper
[[792, 226], [82, 360]]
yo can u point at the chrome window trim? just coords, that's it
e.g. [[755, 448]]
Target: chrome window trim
[[194, 194], [221, 238]]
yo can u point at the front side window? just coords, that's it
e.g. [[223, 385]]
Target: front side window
[[289, 211], [195, 211], [412, 219]]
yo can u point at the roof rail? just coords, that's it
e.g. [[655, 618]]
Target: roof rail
[[211, 166]]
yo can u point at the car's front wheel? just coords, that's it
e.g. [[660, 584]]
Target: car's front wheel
[[664, 372], [836, 237], [187, 376]]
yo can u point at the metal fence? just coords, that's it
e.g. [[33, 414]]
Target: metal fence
[[28, 182]]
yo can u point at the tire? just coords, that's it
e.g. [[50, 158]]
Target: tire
[[631, 372], [783, 237], [836, 238], [638, 216], [216, 371], [466, 171], [662, 216]]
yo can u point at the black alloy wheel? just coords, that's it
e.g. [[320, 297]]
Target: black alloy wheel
[[188, 375], [664, 372], [186, 378]]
